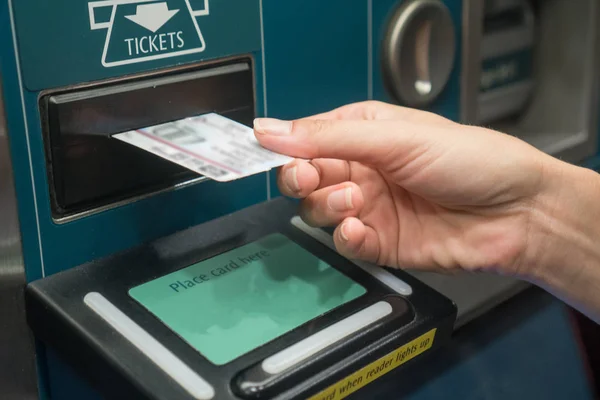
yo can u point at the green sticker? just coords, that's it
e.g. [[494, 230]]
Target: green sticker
[[237, 301]]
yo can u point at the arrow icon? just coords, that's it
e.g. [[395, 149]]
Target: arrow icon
[[152, 16]]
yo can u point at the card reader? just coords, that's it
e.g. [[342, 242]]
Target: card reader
[[248, 306]]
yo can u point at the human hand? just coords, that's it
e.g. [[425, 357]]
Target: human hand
[[411, 189]]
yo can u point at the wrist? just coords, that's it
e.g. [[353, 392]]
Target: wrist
[[546, 211], [563, 251]]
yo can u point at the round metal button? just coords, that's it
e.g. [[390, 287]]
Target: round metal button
[[418, 51]]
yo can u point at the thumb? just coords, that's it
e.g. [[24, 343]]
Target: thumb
[[366, 141]]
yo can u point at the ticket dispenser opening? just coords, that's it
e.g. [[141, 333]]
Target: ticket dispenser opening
[[524, 75], [88, 171]]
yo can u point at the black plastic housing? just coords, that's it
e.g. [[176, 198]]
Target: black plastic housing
[[58, 316]]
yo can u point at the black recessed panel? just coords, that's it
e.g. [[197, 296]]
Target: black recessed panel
[[89, 169]]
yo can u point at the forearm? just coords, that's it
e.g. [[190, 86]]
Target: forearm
[[564, 237]]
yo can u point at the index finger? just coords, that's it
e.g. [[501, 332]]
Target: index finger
[[364, 110], [376, 110]]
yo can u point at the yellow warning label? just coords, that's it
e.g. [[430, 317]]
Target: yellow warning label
[[376, 369]]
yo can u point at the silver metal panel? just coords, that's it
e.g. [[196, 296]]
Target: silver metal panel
[[563, 104], [18, 378], [500, 5], [473, 293], [504, 100], [560, 117], [507, 42]]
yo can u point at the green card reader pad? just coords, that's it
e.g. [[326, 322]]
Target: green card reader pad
[[235, 302], [246, 306]]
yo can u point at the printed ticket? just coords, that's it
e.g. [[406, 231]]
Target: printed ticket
[[210, 144]]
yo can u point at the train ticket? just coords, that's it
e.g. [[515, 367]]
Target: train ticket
[[210, 144]]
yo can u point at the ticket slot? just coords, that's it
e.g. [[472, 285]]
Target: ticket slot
[[87, 169]]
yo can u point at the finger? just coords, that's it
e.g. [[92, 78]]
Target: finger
[[377, 110], [365, 110], [371, 142], [355, 240], [331, 205], [331, 171], [298, 179]]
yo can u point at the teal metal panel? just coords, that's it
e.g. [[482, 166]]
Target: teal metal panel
[[58, 46], [51, 247], [56, 50], [65, 383], [316, 55], [19, 142], [320, 55]]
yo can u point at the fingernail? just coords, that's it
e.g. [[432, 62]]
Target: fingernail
[[340, 200], [291, 179], [270, 126], [344, 231]]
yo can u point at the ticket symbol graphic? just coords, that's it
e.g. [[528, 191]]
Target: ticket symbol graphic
[[145, 30]]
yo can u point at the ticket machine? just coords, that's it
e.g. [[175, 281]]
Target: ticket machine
[[146, 280]]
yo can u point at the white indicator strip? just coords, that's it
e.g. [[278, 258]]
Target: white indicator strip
[[311, 345], [385, 277], [153, 349]]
